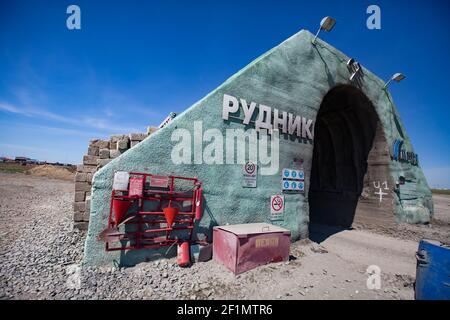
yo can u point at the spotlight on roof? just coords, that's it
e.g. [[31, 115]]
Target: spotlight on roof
[[326, 24], [397, 77]]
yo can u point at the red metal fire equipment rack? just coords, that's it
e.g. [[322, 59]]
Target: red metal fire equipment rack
[[145, 229]]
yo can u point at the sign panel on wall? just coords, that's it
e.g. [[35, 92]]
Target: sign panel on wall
[[288, 185], [276, 207], [293, 174], [136, 187], [159, 181], [120, 181], [249, 171], [293, 180], [400, 154]]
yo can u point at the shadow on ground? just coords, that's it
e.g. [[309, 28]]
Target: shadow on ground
[[320, 232]]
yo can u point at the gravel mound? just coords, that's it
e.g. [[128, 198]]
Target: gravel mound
[[52, 172], [41, 253]]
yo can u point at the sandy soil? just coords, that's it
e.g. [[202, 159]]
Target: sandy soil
[[442, 208], [38, 243], [52, 172]]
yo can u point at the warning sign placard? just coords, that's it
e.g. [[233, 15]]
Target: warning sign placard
[[159, 181], [249, 174], [121, 179], [136, 187], [276, 207]]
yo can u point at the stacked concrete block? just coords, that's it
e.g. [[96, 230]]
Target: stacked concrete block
[[83, 182], [99, 153], [135, 138], [114, 139], [151, 130], [123, 144], [114, 153], [104, 153]]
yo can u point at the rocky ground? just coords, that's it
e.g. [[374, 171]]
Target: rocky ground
[[40, 258]]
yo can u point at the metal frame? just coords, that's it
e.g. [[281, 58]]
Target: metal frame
[[146, 235]]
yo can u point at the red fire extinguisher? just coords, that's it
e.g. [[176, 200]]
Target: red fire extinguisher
[[183, 255], [198, 204]]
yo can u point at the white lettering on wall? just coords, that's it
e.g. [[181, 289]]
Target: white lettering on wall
[[267, 118]]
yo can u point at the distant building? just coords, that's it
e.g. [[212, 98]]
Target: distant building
[[22, 159]]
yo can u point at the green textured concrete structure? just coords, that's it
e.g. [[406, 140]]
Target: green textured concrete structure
[[359, 164]]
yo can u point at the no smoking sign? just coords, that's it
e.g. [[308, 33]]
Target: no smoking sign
[[276, 207]]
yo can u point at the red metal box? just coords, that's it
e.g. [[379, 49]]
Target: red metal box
[[242, 247]]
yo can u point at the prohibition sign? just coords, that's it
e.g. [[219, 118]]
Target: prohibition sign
[[277, 204], [250, 167]]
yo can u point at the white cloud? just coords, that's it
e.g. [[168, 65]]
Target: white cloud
[[73, 132], [116, 101], [10, 108], [85, 121]]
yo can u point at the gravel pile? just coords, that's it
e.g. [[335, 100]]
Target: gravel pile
[[41, 253], [37, 242]]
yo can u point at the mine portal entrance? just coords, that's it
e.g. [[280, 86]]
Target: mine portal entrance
[[344, 133]]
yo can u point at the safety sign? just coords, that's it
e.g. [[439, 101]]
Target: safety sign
[[293, 174], [292, 185], [121, 179], [136, 187], [159, 181], [249, 171], [276, 207], [293, 180]]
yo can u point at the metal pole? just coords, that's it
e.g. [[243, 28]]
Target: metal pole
[[318, 31], [385, 86]]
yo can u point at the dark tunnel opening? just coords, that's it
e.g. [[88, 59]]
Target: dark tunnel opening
[[343, 136]]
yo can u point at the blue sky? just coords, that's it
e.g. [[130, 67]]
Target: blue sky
[[133, 62]]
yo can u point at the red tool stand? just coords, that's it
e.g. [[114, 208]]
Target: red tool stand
[[166, 223]]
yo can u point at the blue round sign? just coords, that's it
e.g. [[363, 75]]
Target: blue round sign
[[286, 173], [294, 174], [286, 184], [294, 185]]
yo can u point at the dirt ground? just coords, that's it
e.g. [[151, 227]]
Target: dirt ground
[[39, 251]]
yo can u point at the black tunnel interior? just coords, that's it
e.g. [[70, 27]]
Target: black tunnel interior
[[343, 137]]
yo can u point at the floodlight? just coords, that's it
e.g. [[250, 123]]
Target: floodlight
[[397, 77], [326, 24]]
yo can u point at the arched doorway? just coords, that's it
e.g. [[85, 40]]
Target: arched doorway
[[346, 128]]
